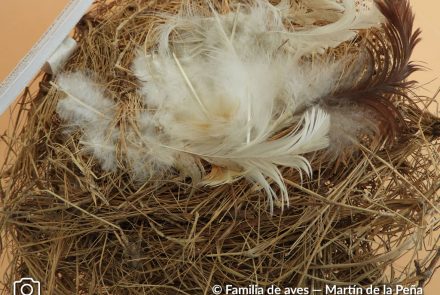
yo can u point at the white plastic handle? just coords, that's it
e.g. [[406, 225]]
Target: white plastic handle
[[34, 60]]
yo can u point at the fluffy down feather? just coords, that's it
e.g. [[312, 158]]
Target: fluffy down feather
[[86, 107]]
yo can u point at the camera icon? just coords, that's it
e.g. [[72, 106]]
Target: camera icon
[[26, 286]]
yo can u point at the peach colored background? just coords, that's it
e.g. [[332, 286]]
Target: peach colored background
[[23, 21]]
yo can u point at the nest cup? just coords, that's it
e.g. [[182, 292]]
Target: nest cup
[[80, 230]]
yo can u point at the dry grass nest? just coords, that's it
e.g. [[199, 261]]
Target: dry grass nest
[[79, 230]]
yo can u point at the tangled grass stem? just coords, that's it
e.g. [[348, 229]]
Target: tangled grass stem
[[83, 231]]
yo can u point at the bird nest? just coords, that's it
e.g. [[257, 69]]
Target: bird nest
[[79, 229]]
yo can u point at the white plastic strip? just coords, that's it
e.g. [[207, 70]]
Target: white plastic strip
[[34, 60], [60, 56]]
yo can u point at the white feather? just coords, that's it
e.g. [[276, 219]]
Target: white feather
[[260, 160], [85, 106], [317, 39]]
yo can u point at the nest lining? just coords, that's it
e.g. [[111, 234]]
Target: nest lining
[[81, 230]]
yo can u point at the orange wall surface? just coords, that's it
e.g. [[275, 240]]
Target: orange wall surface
[[22, 22]]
